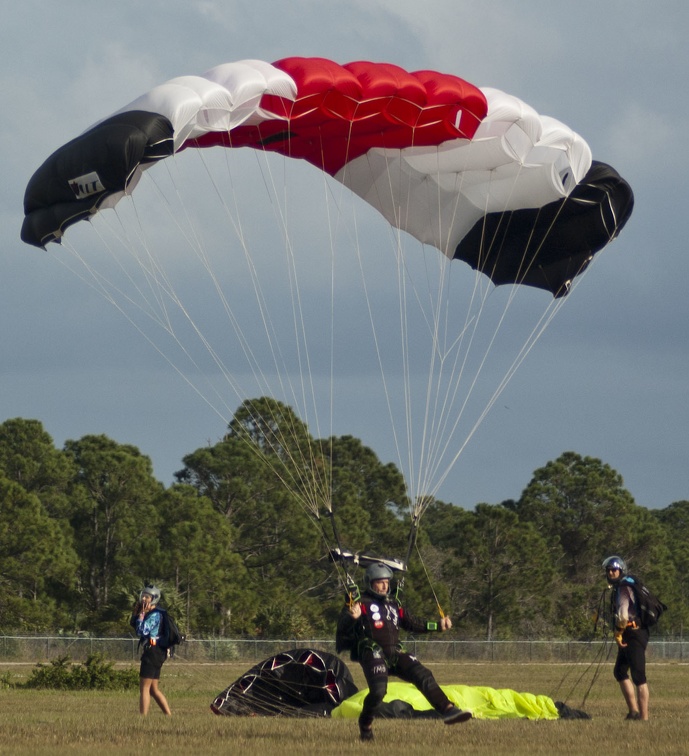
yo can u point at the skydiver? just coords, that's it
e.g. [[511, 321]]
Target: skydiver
[[631, 637], [147, 620], [369, 629]]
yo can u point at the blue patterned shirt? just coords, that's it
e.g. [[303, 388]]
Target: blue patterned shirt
[[149, 627]]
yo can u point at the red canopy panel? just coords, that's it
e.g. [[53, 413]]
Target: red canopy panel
[[341, 112]]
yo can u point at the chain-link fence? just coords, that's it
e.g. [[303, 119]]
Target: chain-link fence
[[34, 649]]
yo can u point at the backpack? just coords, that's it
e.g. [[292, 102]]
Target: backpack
[[648, 606], [170, 635]]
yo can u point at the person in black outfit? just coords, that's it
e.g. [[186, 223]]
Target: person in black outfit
[[631, 637], [369, 629]]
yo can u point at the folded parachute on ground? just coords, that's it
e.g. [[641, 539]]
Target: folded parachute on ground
[[299, 682], [475, 172], [307, 682], [404, 701]]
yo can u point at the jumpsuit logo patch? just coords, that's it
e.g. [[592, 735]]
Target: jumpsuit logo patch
[[392, 615]]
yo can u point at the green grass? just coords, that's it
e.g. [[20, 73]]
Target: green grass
[[57, 722]]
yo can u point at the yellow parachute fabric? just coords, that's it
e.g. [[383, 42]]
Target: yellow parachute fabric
[[482, 702]]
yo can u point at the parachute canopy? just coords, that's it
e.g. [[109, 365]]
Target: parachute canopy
[[475, 172], [403, 700], [300, 682], [306, 682]]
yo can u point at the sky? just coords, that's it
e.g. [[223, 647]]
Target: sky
[[608, 378]]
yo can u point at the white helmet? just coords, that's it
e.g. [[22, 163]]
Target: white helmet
[[377, 571]]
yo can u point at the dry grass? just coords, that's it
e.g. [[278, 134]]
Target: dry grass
[[42, 722]]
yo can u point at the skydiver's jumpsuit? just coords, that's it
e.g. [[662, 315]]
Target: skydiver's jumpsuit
[[373, 640]]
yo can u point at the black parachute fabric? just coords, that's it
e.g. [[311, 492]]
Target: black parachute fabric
[[77, 179], [299, 682], [548, 247], [398, 709]]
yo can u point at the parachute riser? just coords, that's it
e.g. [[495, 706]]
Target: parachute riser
[[352, 592], [411, 545], [411, 541]]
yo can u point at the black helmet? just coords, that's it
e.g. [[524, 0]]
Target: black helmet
[[152, 591], [377, 571], [615, 563]]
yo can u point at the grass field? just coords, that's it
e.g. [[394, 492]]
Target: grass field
[[52, 722]]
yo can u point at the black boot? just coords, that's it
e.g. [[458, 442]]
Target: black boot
[[453, 715], [366, 728]]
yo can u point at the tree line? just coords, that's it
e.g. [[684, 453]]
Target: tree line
[[240, 543]]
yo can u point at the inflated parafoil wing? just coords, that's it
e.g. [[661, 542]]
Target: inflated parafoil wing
[[548, 246], [300, 682], [476, 173], [403, 700]]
